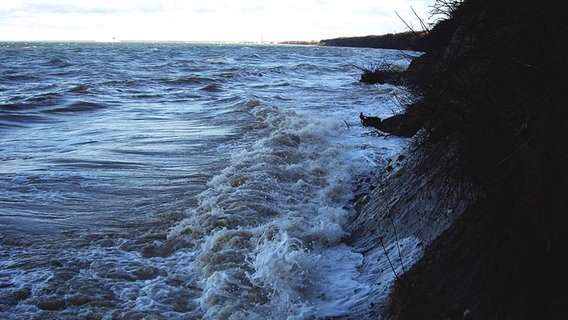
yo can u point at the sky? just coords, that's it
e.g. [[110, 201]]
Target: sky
[[205, 20]]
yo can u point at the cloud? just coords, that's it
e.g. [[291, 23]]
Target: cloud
[[200, 20], [83, 7]]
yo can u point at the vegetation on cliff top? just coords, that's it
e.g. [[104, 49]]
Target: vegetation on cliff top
[[494, 90]]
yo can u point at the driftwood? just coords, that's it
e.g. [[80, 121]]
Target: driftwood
[[397, 125]]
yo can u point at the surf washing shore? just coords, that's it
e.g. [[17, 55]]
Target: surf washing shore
[[185, 181]]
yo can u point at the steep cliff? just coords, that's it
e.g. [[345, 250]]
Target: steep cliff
[[485, 184]]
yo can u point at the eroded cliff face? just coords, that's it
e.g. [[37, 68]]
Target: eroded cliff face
[[484, 185], [415, 202], [417, 198]]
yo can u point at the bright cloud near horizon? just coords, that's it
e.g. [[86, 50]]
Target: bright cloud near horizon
[[205, 20]]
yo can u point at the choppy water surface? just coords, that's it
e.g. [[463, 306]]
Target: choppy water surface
[[183, 181]]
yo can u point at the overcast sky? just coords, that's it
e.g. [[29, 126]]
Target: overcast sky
[[204, 20]]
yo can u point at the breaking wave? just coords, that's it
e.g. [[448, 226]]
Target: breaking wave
[[270, 225]]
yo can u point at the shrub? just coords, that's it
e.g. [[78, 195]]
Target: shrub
[[380, 74]]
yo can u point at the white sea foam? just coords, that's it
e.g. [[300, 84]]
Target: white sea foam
[[383, 264], [270, 225]]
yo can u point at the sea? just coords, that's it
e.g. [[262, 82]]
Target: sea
[[186, 181]]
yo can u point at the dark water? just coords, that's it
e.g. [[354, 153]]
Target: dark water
[[159, 181]]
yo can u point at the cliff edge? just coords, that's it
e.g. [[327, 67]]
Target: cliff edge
[[484, 183]]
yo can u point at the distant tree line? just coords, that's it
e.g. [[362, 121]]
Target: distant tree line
[[400, 41]]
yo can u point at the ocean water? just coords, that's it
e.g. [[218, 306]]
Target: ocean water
[[185, 181]]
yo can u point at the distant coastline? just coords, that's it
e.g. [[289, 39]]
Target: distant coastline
[[399, 41]]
